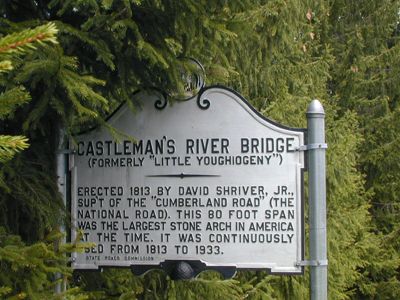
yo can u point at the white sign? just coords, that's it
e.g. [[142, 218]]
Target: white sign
[[208, 179]]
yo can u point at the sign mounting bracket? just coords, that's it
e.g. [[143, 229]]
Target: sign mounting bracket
[[312, 263], [312, 146], [66, 151]]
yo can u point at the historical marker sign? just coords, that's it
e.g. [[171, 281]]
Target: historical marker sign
[[208, 179]]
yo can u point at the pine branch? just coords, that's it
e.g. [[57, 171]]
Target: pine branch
[[99, 46], [10, 145], [18, 42], [25, 270], [5, 65], [11, 99], [4, 290]]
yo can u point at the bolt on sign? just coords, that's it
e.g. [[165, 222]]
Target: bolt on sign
[[208, 179]]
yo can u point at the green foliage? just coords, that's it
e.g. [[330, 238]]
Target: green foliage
[[12, 46], [18, 42], [202, 289], [11, 144], [27, 271], [11, 99], [365, 43]]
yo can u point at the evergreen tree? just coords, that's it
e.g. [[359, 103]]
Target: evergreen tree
[[24, 270], [364, 39], [11, 46], [290, 63]]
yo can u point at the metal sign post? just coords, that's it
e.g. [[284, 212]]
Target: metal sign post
[[317, 200], [62, 166]]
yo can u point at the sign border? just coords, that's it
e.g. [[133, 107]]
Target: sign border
[[204, 104]]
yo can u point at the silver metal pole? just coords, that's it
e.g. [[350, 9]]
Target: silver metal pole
[[317, 200], [62, 188]]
